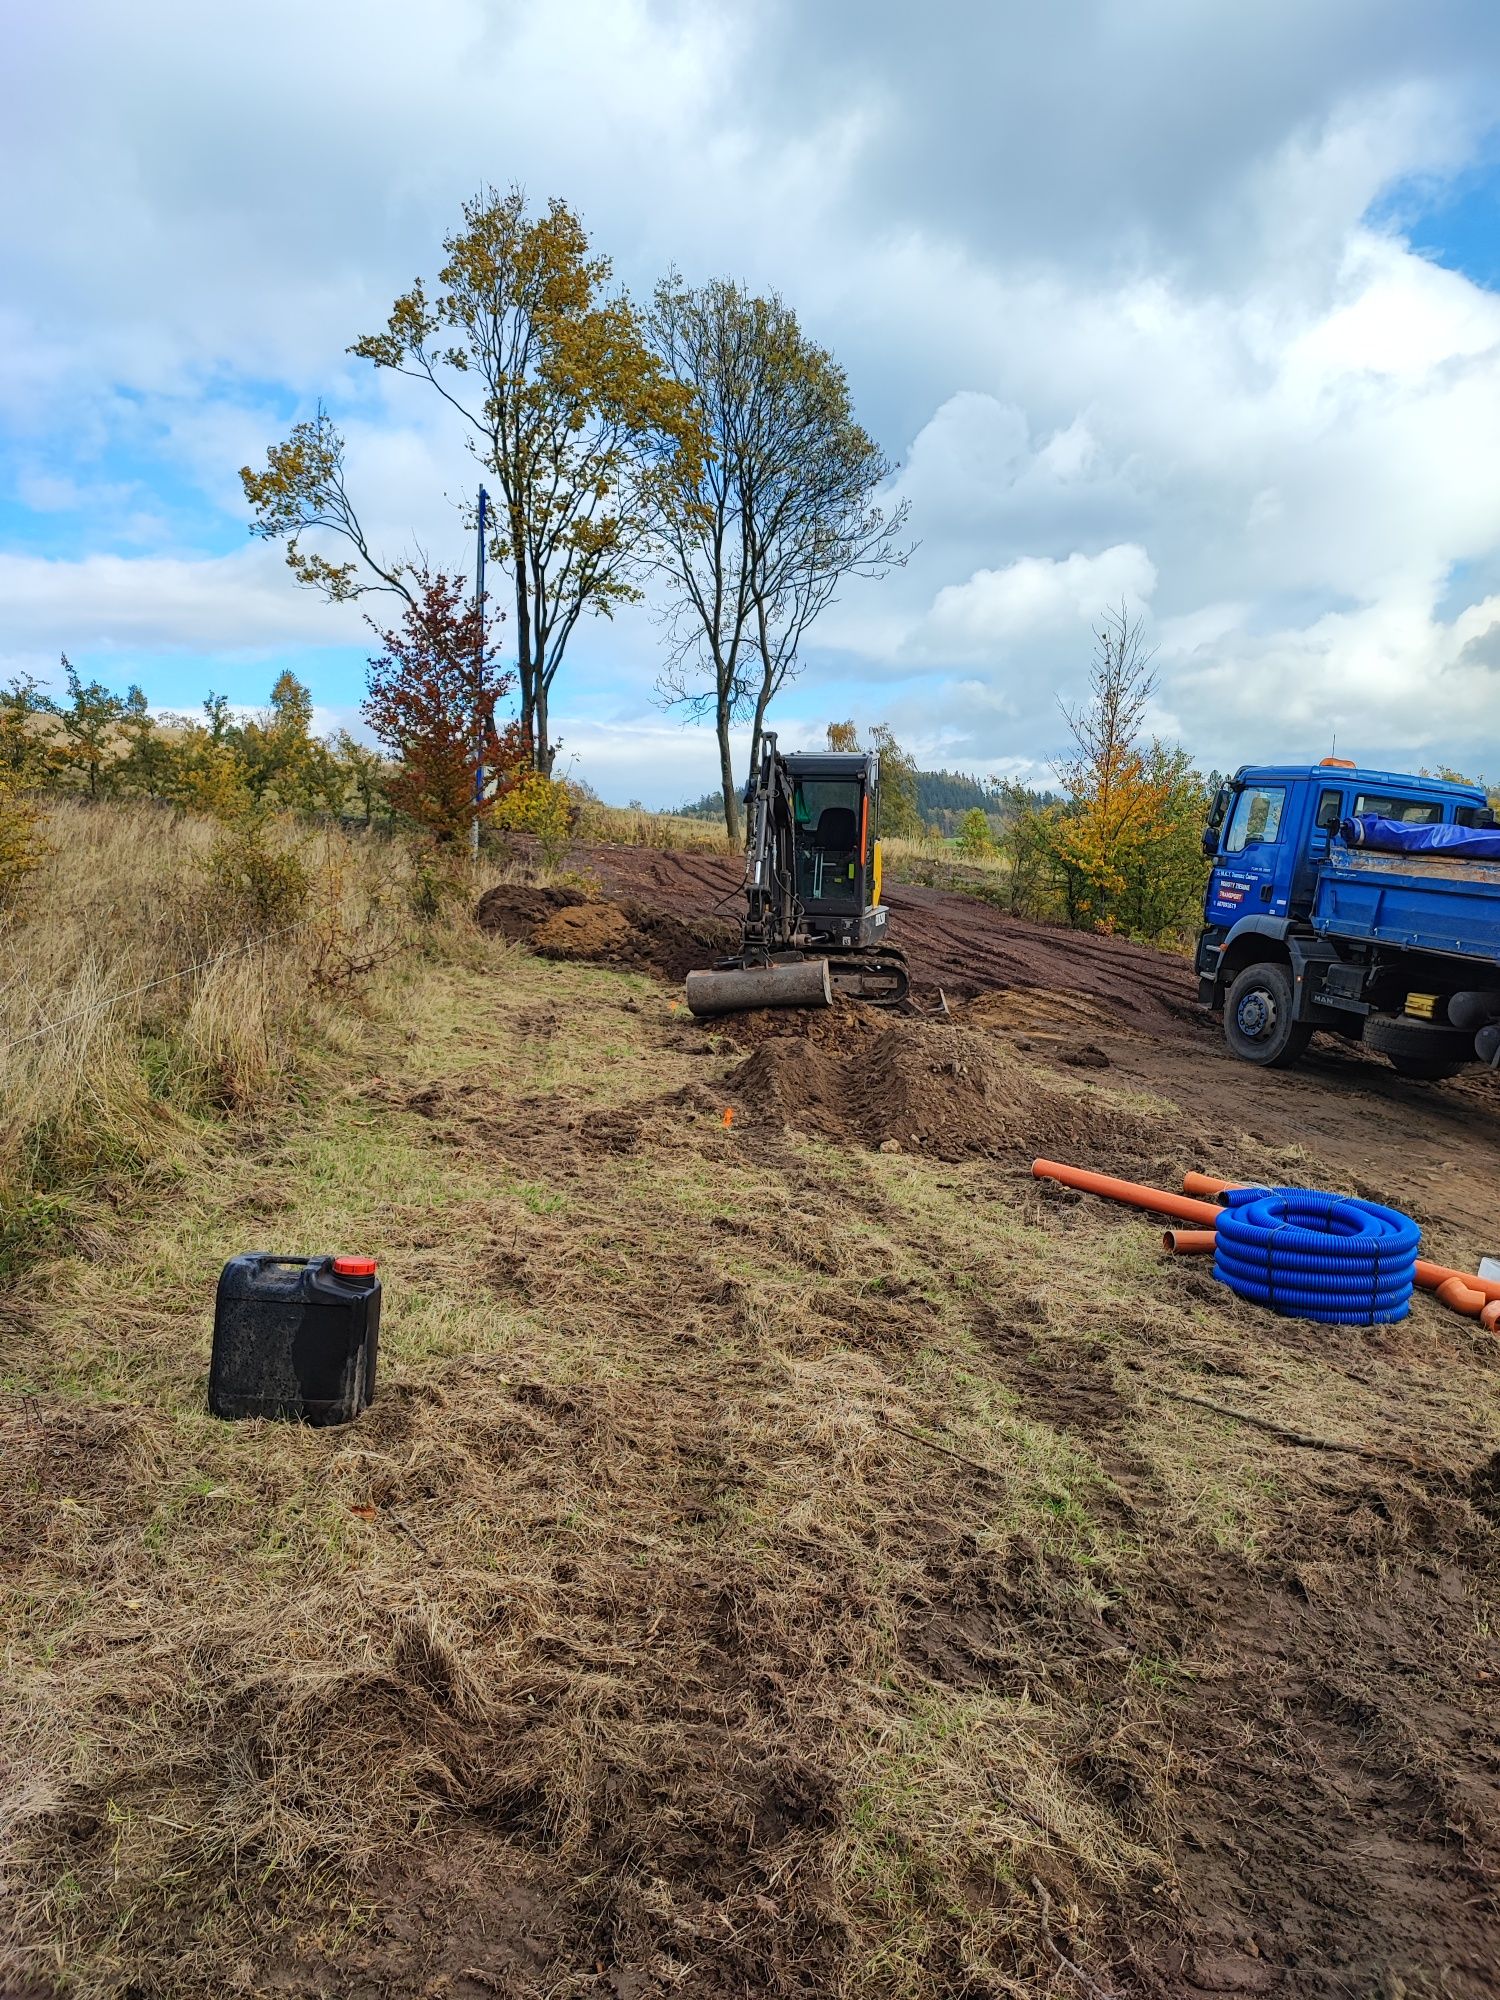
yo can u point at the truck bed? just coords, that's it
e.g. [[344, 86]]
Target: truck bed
[[1427, 902]]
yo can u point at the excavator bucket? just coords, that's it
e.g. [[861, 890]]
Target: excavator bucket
[[735, 989]]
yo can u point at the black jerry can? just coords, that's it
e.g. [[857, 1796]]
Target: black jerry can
[[295, 1337]]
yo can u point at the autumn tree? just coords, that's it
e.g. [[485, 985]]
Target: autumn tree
[[976, 837], [282, 761], [89, 718], [433, 693], [1164, 876], [1124, 800], [1029, 840], [558, 393], [149, 765], [302, 491], [25, 756], [366, 771], [756, 527]]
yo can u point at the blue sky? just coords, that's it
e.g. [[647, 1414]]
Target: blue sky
[[1221, 342]]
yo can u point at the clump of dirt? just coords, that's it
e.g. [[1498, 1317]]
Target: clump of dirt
[[675, 946], [931, 1087], [564, 923]]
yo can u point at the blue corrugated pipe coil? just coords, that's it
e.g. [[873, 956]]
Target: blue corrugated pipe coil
[[1324, 1257]]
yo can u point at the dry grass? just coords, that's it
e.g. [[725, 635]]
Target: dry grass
[[632, 826], [766, 1568], [162, 973]]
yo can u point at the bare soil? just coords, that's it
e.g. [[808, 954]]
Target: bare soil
[[1102, 1004], [1333, 1801], [954, 944]]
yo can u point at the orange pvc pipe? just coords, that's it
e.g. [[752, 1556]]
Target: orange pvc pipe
[[1433, 1277], [1461, 1298], [1188, 1242], [1489, 1316], [1157, 1200], [1206, 1184]]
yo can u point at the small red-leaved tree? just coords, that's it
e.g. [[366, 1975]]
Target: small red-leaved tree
[[433, 695]]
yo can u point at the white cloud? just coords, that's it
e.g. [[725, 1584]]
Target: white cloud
[[1033, 597], [221, 604], [1140, 341]]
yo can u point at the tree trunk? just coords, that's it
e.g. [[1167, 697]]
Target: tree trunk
[[526, 672], [544, 751], [726, 776], [763, 698]]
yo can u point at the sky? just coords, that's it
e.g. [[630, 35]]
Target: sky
[[1189, 308]]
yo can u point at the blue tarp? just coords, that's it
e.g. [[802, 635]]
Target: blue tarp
[[1398, 836]]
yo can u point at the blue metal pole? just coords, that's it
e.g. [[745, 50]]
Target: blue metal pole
[[479, 681]]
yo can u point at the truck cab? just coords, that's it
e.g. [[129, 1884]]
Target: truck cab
[[1269, 837]]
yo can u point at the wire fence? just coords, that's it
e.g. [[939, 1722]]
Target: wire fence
[[106, 1001]]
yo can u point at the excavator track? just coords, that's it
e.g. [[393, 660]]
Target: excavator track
[[877, 977]]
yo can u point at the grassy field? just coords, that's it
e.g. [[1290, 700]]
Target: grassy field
[[770, 1565]]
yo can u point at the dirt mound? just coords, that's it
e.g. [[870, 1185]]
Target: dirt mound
[[584, 930], [844, 1024], [675, 946], [932, 1087], [515, 909], [566, 923]]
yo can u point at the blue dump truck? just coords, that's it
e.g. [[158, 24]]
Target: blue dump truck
[[1359, 903]]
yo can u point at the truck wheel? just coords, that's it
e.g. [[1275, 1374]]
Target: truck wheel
[[1426, 1051], [1259, 1017]]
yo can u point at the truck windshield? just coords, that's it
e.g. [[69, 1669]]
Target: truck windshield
[[1257, 818], [1385, 805]]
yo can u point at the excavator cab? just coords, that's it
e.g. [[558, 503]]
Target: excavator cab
[[835, 811], [815, 923]]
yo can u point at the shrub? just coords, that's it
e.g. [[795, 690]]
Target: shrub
[[541, 806], [975, 839], [255, 885], [21, 844]]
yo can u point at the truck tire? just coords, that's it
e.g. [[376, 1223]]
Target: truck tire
[[1425, 1051], [1260, 1022]]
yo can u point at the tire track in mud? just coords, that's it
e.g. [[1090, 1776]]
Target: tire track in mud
[[956, 943]]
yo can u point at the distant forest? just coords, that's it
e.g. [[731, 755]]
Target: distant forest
[[943, 797]]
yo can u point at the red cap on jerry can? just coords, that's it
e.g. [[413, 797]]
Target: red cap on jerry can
[[355, 1267]]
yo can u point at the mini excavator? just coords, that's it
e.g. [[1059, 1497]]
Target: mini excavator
[[814, 923]]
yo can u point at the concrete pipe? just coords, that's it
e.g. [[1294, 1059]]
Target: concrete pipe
[[804, 982]]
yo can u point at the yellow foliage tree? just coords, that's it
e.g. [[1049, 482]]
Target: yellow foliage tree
[[1119, 795], [540, 806], [21, 844]]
